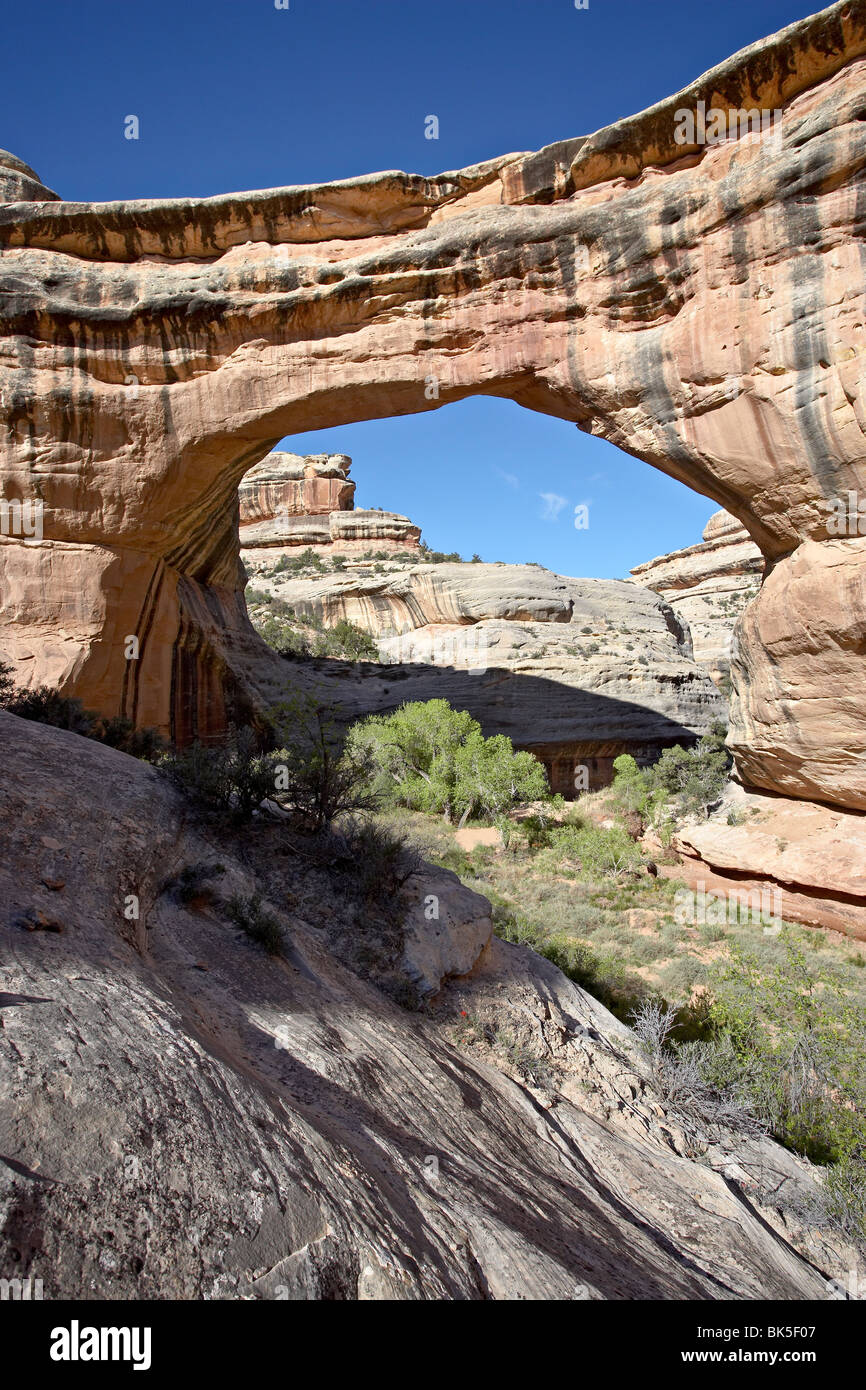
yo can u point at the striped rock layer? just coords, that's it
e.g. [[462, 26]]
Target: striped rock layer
[[290, 502]]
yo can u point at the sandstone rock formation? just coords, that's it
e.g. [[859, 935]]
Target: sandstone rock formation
[[290, 502], [701, 306], [709, 585], [184, 1117], [813, 856], [20, 183], [577, 670]]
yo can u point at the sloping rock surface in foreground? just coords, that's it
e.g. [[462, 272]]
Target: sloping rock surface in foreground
[[185, 1117]]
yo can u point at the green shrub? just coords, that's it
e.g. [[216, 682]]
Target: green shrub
[[377, 861], [589, 851], [122, 734], [684, 781], [438, 557], [258, 924], [796, 1042], [45, 705], [296, 564], [227, 783], [301, 635], [312, 773], [694, 777], [7, 684]]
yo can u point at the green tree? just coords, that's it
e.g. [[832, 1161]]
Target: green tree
[[7, 683], [431, 757], [695, 777], [491, 777]]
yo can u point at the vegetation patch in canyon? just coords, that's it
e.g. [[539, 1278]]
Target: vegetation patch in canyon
[[299, 635]]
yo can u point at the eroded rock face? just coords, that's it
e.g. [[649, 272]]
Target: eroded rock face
[[799, 669], [811, 857], [702, 307], [184, 1117], [285, 484], [290, 502], [709, 585], [577, 670]]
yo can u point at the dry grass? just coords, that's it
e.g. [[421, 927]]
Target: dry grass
[[629, 924]]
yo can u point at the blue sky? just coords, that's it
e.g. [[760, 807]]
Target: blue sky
[[236, 94]]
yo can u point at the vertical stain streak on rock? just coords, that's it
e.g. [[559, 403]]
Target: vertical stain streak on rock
[[809, 338], [143, 627]]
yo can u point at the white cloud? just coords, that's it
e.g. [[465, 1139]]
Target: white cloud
[[510, 478], [553, 505]]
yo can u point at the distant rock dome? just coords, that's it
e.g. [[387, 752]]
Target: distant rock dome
[[21, 184]]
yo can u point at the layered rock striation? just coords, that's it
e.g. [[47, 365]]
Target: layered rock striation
[[577, 670], [709, 585], [290, 501], [812, 857], [701, 305]]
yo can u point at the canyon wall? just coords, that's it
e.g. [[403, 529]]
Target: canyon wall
[[576, 670], [700, 305], [709, 586]]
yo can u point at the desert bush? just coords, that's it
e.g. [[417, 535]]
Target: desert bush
[[7, 683], [438, 557], [678, 1072], [296, 564], [376, 861], [600, 974], [795, 1040], [782, 1051], [643, 950], [695, 777], [122, 734], [349, 640], [314, 774], [260, 925], [190, 887], [301, 635], [842, 1204], [679, 977], [46, 705], [684, 781], [227, 783], [588, 850]]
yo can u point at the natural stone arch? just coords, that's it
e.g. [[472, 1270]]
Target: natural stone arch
[[700, 307]]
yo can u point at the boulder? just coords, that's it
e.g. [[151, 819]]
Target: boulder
[[447, 927], [811, 858]]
